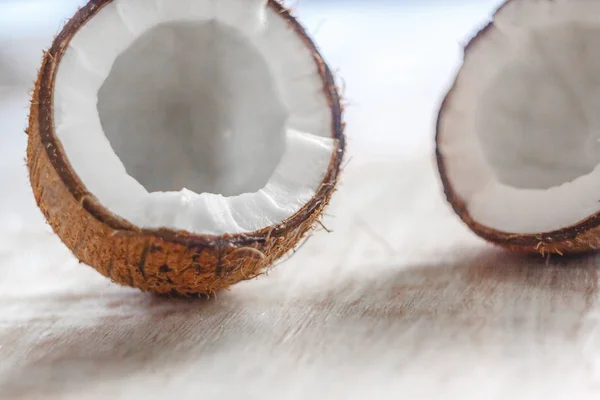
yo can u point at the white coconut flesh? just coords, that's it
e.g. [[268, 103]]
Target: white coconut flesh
[[520, 134], [198, 115]]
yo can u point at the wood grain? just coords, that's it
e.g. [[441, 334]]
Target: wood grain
[[428, 312]]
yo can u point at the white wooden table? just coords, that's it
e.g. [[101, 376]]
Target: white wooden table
[[399, 302]]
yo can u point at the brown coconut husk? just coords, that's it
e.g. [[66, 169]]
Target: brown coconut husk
[[576, 239], [161, 261]]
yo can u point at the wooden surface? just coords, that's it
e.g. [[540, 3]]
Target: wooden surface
[[400, 302]]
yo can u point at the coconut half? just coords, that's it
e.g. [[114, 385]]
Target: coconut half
[[518, 135], [181, 146]]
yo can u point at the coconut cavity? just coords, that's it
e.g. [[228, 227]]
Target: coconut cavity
[[519, 133], [194, 115], [538, 122], [194, 105]]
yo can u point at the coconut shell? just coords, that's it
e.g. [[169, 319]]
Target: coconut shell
[[161, 261], [579, 238]]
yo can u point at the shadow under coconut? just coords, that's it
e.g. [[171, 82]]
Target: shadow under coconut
[[470, 286], [483, 302], [72, 351]]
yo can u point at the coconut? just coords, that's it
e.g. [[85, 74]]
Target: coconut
[[182, 146], [518, 134]]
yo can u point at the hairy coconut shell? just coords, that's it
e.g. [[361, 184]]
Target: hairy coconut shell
[[161, 261], [579, 238]]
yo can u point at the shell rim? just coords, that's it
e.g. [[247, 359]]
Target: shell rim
[[88, 201]]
